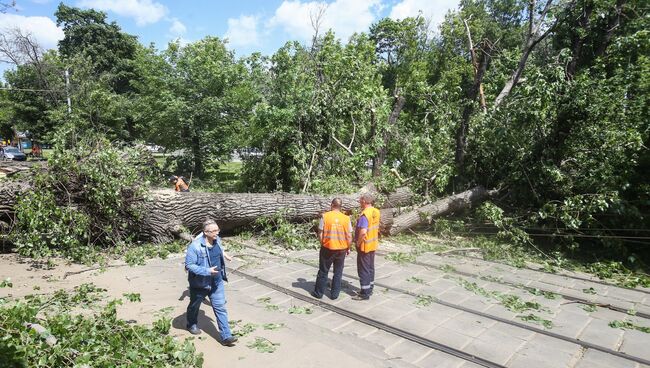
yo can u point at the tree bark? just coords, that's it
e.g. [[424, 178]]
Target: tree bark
[[169, 215], [441, 207]]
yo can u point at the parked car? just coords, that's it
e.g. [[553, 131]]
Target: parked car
[[12, 153]]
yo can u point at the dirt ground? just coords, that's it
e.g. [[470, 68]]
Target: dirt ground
[[162, 285]]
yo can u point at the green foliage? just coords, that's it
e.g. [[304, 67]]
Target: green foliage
[[537, 319], [263, 345], [509, 301], [619, 273], [273, 326], [400, 257], [300, 310], [277, 230], [628, 325], [266, 301], [240, 330], [138, 254], [132, 297], [416, 280], [88, 199], [589, 307], [6, 283], [100, 339], [424, 300]]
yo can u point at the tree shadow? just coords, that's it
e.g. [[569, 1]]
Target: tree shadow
[[346, 286]]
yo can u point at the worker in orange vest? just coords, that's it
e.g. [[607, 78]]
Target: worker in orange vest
[[180, 185], [367, 240], [335, 234]]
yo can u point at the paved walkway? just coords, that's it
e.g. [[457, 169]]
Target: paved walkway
[[405, 298]]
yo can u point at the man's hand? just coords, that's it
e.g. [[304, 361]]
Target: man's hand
[[227, 257], [214, 270]]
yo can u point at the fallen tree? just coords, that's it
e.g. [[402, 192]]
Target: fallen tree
[[167, 215]]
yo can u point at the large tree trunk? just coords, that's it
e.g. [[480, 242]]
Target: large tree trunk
[[441, 207], [169, 215]]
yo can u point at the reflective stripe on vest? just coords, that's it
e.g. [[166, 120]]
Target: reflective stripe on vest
[[371, 240], [335, 230]]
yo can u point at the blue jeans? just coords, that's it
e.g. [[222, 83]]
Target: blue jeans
[[327, 257], [218, 301]]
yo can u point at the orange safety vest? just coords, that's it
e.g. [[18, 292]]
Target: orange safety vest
[[181, 185], [371, 241], [336, 226]]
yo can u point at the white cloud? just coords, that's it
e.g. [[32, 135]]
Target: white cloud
[[432, 10], [177, 27], [43, 29], [345, 17], [143, 11], [242, 31]]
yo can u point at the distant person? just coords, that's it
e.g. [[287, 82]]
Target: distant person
[[367, 241], [180, 185], [206, 275], [335, 235], [36, 150]]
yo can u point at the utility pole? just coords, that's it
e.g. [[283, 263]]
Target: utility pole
[[67, 90]]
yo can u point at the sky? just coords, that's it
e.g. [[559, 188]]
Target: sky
[[249, 25]]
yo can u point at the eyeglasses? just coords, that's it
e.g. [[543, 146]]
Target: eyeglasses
[[211, 231]]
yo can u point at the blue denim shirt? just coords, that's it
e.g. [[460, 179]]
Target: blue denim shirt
[[197, 264]]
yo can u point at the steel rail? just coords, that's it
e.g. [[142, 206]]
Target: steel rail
[[374, 323]]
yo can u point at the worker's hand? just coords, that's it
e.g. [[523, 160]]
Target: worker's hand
[[228, 258], [347, 253], [214, 270]]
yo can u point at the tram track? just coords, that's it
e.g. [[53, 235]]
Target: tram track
[[373, 322], [574, 277], [521, 286], [583, 344]]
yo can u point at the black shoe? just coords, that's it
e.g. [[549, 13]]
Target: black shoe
[[194, 330], [361, 297], [229, 341], [313, 293]]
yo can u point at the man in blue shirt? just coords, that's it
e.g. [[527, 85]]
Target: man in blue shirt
[[205, 264]]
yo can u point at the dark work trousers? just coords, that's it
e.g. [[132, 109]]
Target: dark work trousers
[[327, 257], [366, 270]]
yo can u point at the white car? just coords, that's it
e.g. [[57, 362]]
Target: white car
[[12, 153]]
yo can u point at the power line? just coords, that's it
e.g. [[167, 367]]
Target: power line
[[30, 89]]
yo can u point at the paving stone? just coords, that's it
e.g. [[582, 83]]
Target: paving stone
[[538, 354], [636, 343], [421, 321], [455, 339], [383, 339], [330, 320], [569, 324], [355, 328], [598, 332], [469, 324], [454, 295], [512, 331], [495, 347], [440, 286], [625, 294], [440, 360], [598, 359], [408, 351], [499, 310], [391, 310], [477, 304]]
